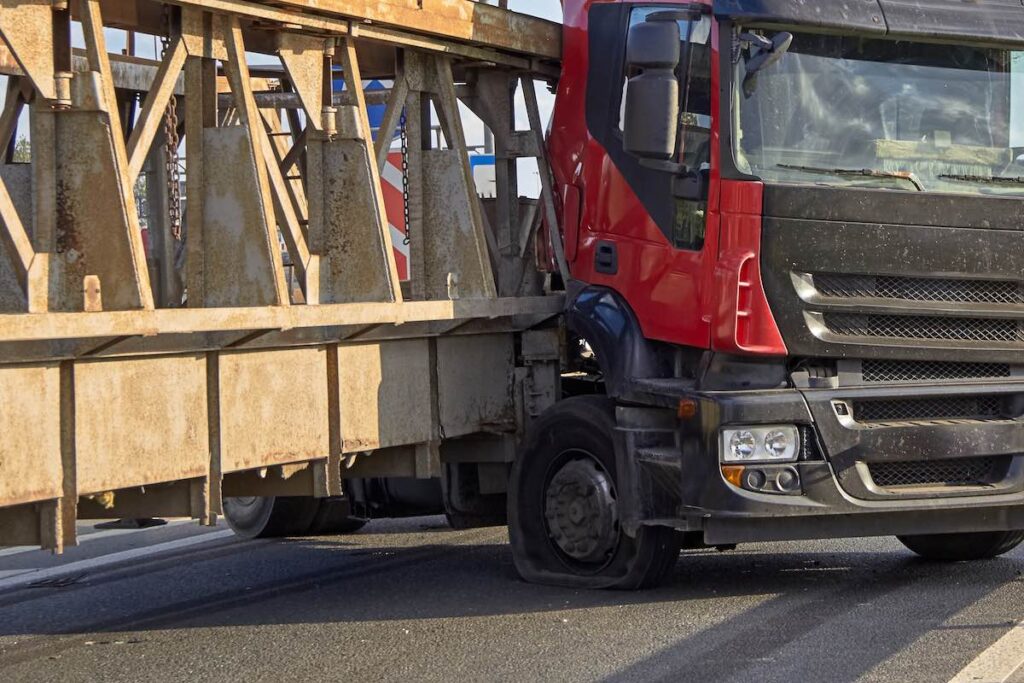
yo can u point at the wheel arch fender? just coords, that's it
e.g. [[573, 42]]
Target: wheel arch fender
[[604, 319]]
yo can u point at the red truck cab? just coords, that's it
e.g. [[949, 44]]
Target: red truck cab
[[794, 233]]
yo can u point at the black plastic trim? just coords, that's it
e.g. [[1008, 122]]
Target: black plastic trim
[[997, 22], [893, 207], [606, 258], [604, 319], [607, 55]]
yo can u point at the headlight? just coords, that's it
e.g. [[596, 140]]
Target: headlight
[[772, 443], [742, 445]]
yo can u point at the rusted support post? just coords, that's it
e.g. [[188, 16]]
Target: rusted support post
[[68, 504], [547, 192], [200, 114]]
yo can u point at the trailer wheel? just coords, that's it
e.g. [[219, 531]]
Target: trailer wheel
[[563, 508], [270, 516], [334, 516], [965, 546]]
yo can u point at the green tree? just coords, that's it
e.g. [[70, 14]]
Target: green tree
[[22, 151]]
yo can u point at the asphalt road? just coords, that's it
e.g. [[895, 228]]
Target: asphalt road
[[412, 600]]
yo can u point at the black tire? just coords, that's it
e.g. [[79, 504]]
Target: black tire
[[270, 516], [965, 546], [577, 435], [334, 516]]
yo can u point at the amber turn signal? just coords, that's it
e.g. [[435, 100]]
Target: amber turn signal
[[733, 474], [687, 409]]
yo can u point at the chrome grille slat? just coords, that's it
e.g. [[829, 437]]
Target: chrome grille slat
[[885, 371], [925, 327], [981, 408], [920, 289], [958, 472]]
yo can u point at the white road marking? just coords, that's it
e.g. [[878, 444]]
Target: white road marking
[[999, 662], [32, 575], [94, 536]]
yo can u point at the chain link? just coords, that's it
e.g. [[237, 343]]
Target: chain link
[[171, 145], [405, 175]]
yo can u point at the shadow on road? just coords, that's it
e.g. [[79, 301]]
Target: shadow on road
[[841, 613]]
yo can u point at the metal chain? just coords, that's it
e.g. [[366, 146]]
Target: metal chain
[[172, 142], [405, 176]]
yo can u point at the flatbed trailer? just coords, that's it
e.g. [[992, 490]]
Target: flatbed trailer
[[286, 354]]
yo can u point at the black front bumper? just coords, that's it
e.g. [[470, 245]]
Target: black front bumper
[[681, 482]]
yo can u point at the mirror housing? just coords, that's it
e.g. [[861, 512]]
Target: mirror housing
[[765, 54], [651, 119]]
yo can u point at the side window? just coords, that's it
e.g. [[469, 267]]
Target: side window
[[681, 221], [688, 218], [695, 118]]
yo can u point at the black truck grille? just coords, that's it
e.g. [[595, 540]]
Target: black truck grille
[[920, 289], [976, 408], [958, 472], [925, 327], [892, 371]]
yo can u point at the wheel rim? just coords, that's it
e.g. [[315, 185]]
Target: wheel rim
[[580, 510]]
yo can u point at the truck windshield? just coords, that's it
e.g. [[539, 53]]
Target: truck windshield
[[882, 113]]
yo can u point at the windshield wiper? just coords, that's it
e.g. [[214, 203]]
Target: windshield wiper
[[909, 176], [1015, 180]]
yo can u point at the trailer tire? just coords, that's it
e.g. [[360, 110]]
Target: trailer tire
[[334, 516], [270, 516], [563, 509], [964, 546]]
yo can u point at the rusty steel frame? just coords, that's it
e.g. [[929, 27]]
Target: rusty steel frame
[[116, 398]]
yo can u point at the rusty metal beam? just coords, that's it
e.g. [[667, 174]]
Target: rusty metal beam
[[53, 326], [153, 108], [521, 41], [461, 20], [238, 74]]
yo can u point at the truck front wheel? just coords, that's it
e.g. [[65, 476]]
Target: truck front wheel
[[965, 546], [564, 519]]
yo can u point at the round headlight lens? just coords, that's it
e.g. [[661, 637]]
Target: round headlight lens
[[776, 442], [742, 445]]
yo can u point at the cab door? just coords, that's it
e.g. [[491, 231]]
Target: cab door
[[644, 232]]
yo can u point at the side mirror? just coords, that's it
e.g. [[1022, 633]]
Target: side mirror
[[651, 116], [765, 54]]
